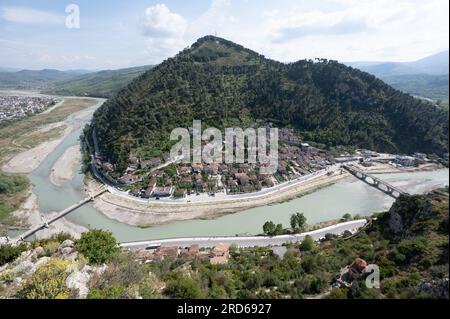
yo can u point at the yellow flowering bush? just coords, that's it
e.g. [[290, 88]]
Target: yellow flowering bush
[[47, 282]]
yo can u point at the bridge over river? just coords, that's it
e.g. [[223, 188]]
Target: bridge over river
[[64, 212], [373, 181]]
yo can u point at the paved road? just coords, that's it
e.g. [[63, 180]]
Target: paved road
[[250, 241]]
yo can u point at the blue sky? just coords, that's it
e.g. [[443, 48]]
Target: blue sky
[[115, 34]]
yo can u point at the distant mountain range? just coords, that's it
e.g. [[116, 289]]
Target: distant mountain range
[[72, 82], [427, 77], [98, 84], [32, 79], [436, 64]]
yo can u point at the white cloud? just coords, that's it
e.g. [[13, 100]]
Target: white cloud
[[159, 22], [216, 19], [163, 31], [350, 19], [30, 16], [350, 30], [158, 49]]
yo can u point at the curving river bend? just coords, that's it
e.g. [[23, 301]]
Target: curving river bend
[[346, 196]]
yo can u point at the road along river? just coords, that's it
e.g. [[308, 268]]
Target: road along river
[[346, 196]]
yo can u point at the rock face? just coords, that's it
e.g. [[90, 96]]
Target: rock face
[[436, 288], [79, 280], [78, 273], [25, 267], [407, 211], [66, 251]]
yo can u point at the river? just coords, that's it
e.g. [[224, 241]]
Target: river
[[346, 196]]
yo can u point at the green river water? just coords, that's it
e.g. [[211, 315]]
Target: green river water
[[346, 196]]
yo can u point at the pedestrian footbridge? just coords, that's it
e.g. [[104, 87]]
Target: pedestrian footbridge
[[64, 212]]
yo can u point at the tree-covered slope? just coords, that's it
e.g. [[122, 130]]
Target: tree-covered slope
[[98, 84], [424, 85], [35, 79], [222, 84]]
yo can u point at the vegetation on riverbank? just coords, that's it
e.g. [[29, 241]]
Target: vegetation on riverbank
[[409, 245], [13, 191]]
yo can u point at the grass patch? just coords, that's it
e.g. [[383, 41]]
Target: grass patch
[[13, 191]]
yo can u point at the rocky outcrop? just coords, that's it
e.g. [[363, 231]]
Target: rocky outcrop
[[407, 211], [435, 288], [79, 280], [78, 273], [66, 251]]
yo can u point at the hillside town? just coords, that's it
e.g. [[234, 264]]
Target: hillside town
[[13, 107], [295, 159]]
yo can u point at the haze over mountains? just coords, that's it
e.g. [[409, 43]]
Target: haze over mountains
[[98, 84], [224, 84], [427, 77], [35, 79], [436, 64], [71, 83]]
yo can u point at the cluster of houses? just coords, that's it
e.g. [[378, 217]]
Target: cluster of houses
[[185, 179], [218, 255], [12, 107]]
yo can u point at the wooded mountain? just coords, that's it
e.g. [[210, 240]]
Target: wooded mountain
[[97, 84], [424, 85], [223, 84], [35, 79]]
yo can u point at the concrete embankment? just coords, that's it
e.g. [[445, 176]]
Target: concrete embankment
[[249, 241]]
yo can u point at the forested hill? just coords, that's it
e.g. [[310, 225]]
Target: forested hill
[[224, 84], [97, 84]]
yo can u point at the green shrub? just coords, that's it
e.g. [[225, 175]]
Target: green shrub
[[9, 253], [98, 246], [183, 288], [148, 292], [50, 248], [113, 292], [338, 293], [307, 243], [7, 277]]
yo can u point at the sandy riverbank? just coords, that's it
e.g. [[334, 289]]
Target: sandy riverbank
[[146, 214], [29, 216], [27, 161], [380, 168], [66, 166], [83, 114]]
